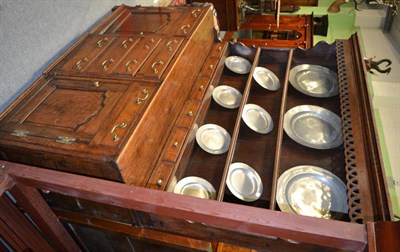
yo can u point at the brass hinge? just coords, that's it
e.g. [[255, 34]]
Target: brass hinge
[[20, 133], [65, 140]]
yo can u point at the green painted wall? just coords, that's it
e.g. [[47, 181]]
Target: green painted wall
[[341, 24]]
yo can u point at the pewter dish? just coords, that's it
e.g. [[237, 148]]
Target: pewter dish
[[227, 97], [244, 182], [213, 138], [196, 187], [257, 118], [314, 80], [311, 191], [266, 78], [238, 64], [313, 126]]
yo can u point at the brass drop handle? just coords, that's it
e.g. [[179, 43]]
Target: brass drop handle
[[169, 44], [154, 65], [194, 12], [106, 64], [126, 41], [78, 66], [96, 84], [129, 68], [146, 93], [183, 28], [115, 136], [102, 42]]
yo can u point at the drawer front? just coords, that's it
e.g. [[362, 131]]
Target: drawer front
[[134, 103], [174, 144], [199, 89], [136, 57], [188, 24], [161, 176], [188, 114], [106, 63], [218, 49], [158, 62], [209, 67], [85, 54]]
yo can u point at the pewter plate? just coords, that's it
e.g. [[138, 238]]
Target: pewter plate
[[313, 126], [227, 97], [257, 118], [244, 182], [213, 138], [311, 191], [314, 80], [196, 187], [266, 78], [238, 64]]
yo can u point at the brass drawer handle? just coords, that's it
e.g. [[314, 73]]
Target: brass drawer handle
[[106, 64], [102, 42], [129, 68], [190, 113], [175, 144], [169, 44], [146, 93], [183, 28], [115, 136], [78, 66], [194, 13], [154, 65], [126, 41], [96, 84], [201, 88]]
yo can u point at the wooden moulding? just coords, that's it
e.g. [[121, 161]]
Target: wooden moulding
[[366, 185], [212, 216]]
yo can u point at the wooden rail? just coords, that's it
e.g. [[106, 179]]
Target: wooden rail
[[217, 218]]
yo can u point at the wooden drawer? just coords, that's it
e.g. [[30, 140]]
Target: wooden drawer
[[137, 102], [85, 54], [158, 62], [161, 175], [188, 114], [174, 144], [109, 56], [106, 63], [218, 50], [135, 59], [199, 89], [209, 67], [188, 23]]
